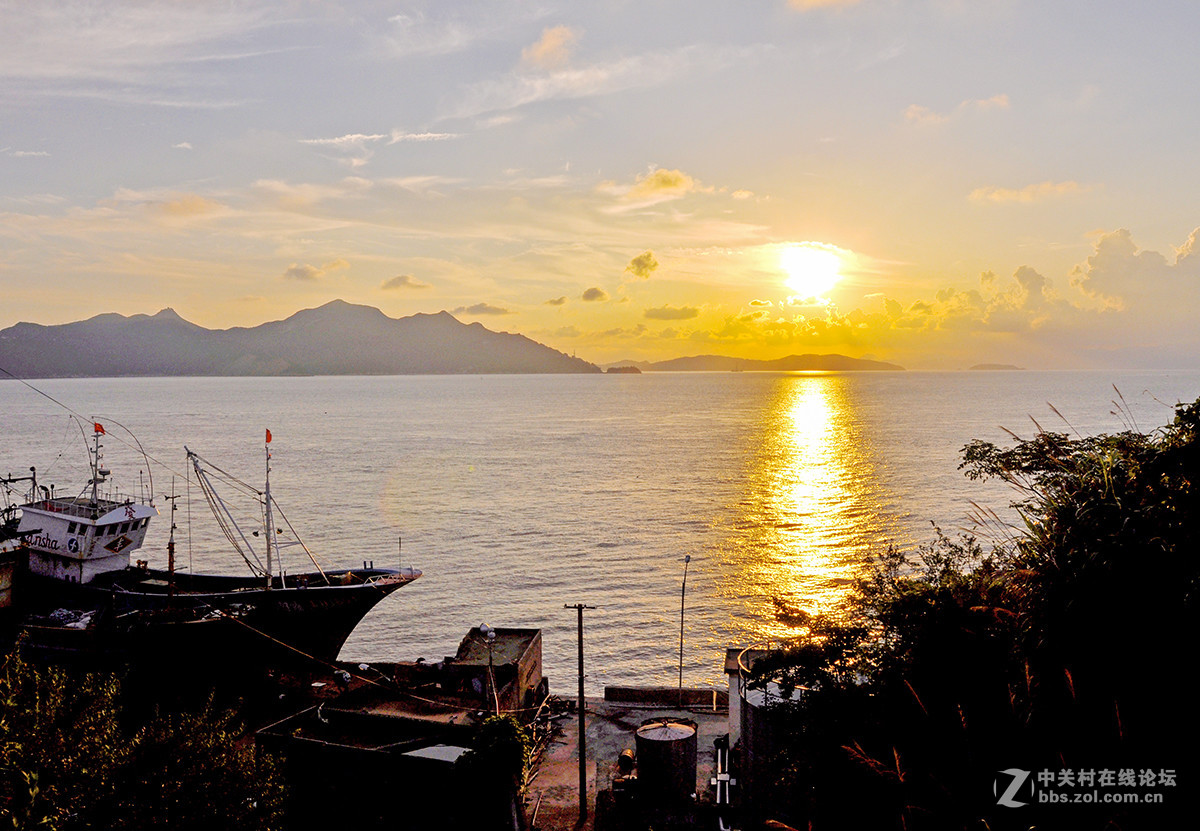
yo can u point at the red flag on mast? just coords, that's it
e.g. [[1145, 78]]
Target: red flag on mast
[[97, 427], [268, 436]]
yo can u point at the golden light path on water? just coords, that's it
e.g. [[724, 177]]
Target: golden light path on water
[[811, 514]]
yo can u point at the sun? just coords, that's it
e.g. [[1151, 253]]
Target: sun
[[812, 268]]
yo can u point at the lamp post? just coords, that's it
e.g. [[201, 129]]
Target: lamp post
[[489, 635], [682, 594], [582, 707]]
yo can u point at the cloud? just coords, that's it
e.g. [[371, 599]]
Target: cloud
[[1118, 272], [742, 194], [552, 51], [762, 303], [190, 205], [520, 89], [481, 309], [132, 53], [669, 312], [403, 281], [397, 136], [662, 182], [918, 114], [924, 116], [808, 5], [310, 273], [659, 185], [23, 154], [183, 145], [303, 273], [358, 146], [556, 301], [1027, 194], [643, 265], [595, 295]]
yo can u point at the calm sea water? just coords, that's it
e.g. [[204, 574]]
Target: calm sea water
[[519, 494]]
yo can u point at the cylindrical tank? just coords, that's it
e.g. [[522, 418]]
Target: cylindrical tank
[[666, 757]]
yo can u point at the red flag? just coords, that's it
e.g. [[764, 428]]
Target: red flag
[[268, 436], [97, 427]]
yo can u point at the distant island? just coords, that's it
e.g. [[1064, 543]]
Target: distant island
[[623, 370], [792, 363], [338, 338], [989, 367]]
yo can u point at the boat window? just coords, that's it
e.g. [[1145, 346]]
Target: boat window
[[70, 527], [124, 528]]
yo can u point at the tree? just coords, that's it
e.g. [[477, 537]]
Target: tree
[[1053, 650], [70, 758]]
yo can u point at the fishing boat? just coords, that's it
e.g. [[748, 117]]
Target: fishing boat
[[80, 594]]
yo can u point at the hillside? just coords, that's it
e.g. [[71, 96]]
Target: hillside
[[338, 338], [792, 363]]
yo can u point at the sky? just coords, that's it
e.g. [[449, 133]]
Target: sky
[[937, 183]]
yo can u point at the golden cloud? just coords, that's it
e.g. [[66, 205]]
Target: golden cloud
[[553, 50], [661, 182], [643, 265]]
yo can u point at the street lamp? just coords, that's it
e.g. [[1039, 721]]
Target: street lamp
[[489, 634], [682, 593]]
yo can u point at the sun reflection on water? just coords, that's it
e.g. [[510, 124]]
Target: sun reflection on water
[[810, 513]]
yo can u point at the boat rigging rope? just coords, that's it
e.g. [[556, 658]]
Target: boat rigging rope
[[296, 536], [224, 523]]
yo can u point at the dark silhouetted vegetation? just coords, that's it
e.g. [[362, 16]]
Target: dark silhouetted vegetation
[[70, 758], [1062, 646]]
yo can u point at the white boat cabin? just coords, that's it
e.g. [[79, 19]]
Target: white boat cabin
[[76, 539]]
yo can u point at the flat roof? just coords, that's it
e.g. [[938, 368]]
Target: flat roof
[[509, 646]]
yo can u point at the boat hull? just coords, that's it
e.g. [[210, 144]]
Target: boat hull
[[146, 615]]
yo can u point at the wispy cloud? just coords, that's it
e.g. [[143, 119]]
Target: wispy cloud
[[658, 185], [403, 281], [480, 309], [808, 5], [134, 53], [1027, 194], [305, 273], [595, 295], [519, 88], [358, 147], [669, 312]]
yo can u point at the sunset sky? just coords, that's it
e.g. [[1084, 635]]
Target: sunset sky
[[932, 182]]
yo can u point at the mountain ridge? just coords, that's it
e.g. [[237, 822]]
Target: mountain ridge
[[337, 338]]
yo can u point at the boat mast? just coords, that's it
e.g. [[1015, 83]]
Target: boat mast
[[171, 544], [97, 431], [272, 541]]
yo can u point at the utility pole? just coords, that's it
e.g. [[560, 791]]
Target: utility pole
[[583, 809]]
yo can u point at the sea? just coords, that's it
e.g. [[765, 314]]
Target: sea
[[702, 508]]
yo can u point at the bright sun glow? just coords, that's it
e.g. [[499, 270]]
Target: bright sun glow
[[812, 269]]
